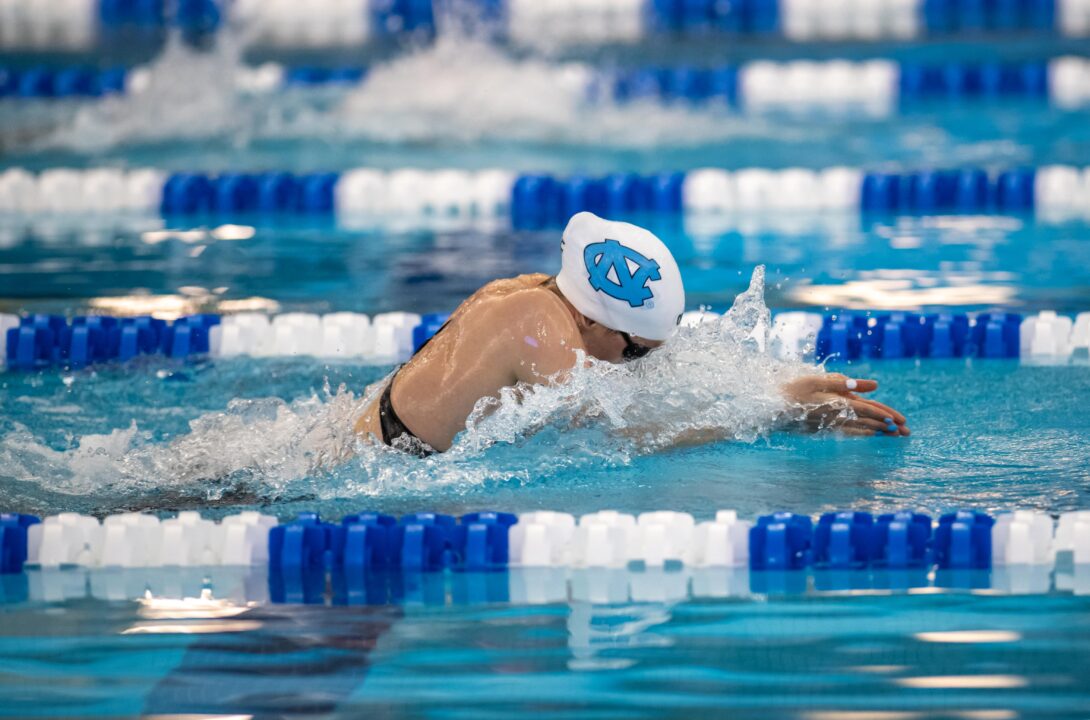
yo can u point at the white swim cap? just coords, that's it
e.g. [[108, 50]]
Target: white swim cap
[[621, 276]]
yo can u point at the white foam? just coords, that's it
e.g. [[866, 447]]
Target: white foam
[[466, 89], [253, 447], [182, 95], [720, 375], [459, 88]]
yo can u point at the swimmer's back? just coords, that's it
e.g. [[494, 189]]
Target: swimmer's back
[[510, 330]]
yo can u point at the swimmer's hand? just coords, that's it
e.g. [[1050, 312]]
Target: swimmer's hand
[[833, 401]]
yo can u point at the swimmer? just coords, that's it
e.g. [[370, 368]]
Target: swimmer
[[618, 296]]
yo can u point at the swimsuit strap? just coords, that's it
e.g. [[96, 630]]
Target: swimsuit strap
[[393, 426]]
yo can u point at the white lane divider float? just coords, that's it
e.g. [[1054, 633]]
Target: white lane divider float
[[315, 24], [871, 86], [437, 194], [544, 539], [609, 539], [137, 540], [48, 24], [538, 23], [387, 338], [100, 190]]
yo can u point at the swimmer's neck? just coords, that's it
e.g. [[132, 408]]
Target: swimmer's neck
[[579, 318]]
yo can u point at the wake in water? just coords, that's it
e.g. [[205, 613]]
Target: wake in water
[[465, 89], [183, 95], [459, 88], [714, 380]]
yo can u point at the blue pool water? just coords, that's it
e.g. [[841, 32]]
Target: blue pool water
[[462, 103], [115, 439], [939, 656], [117, 265], [223, 435]]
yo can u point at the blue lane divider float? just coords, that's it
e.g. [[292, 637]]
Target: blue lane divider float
[[429, 325], [543, 557], [968, 190], [702, 16], [193, 17], [853, 540], [353, 23], [369, 542], [889, 336], [963, 540], [47, 341], [67, 82], [540, 201], [1045, 338], [40, 342], [961, 16], [901, 540], [543, 201], [13, 540], [235, 193], [310, 76], [846, 540], [879, 86], [372, 541]]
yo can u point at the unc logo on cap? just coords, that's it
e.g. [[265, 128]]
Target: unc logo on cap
[[609, 270]]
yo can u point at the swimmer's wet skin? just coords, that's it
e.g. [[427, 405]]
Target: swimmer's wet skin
[[826, 398], [618, 296]]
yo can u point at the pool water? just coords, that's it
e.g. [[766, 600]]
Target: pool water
[[464, 103], [115, 439], [126, 265], [223, 435], [959, 655]]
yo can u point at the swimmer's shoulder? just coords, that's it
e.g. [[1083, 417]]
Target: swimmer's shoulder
[[519, 283], [538, 308], [523, 304]]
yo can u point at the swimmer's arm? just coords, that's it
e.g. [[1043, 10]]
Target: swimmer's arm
[[814, 402]]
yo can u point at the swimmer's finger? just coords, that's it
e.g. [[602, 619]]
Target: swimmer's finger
[[890, 425], [868, 427], [838, 383], [879, 427], [870, 424], [885, 409], [866, 410]]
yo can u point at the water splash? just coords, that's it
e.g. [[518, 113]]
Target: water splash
[[184, 95], [465, 89], [253, 449], [716, 381], [460, 88], [712, 381]]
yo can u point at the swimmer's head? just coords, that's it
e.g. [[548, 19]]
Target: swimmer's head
[[620, 276]]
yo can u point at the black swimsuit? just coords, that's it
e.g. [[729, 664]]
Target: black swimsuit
[[393, 428]]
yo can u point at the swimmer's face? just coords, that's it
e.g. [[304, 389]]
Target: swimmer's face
[[613, 346]]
